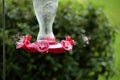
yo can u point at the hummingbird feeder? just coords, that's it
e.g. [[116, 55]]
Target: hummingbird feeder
[[45, 11]]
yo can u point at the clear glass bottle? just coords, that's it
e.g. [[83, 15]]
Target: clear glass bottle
[[45, 11]]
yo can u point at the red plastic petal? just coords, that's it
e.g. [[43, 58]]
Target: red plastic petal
[[42, 46], [51, 41], [23, 42], [71, 41], [66, 45], [27, 39]]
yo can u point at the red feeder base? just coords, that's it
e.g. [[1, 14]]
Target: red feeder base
[[45, 46]]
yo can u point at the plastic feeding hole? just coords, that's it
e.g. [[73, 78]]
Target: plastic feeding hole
[[45, 11]]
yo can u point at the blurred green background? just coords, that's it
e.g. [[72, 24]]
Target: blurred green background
[[98, 19], [112, 8]]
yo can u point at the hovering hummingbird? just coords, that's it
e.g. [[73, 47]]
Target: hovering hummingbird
[[85, 39], [17, 37]]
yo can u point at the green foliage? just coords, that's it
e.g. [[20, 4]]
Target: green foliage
[[74, 19]]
